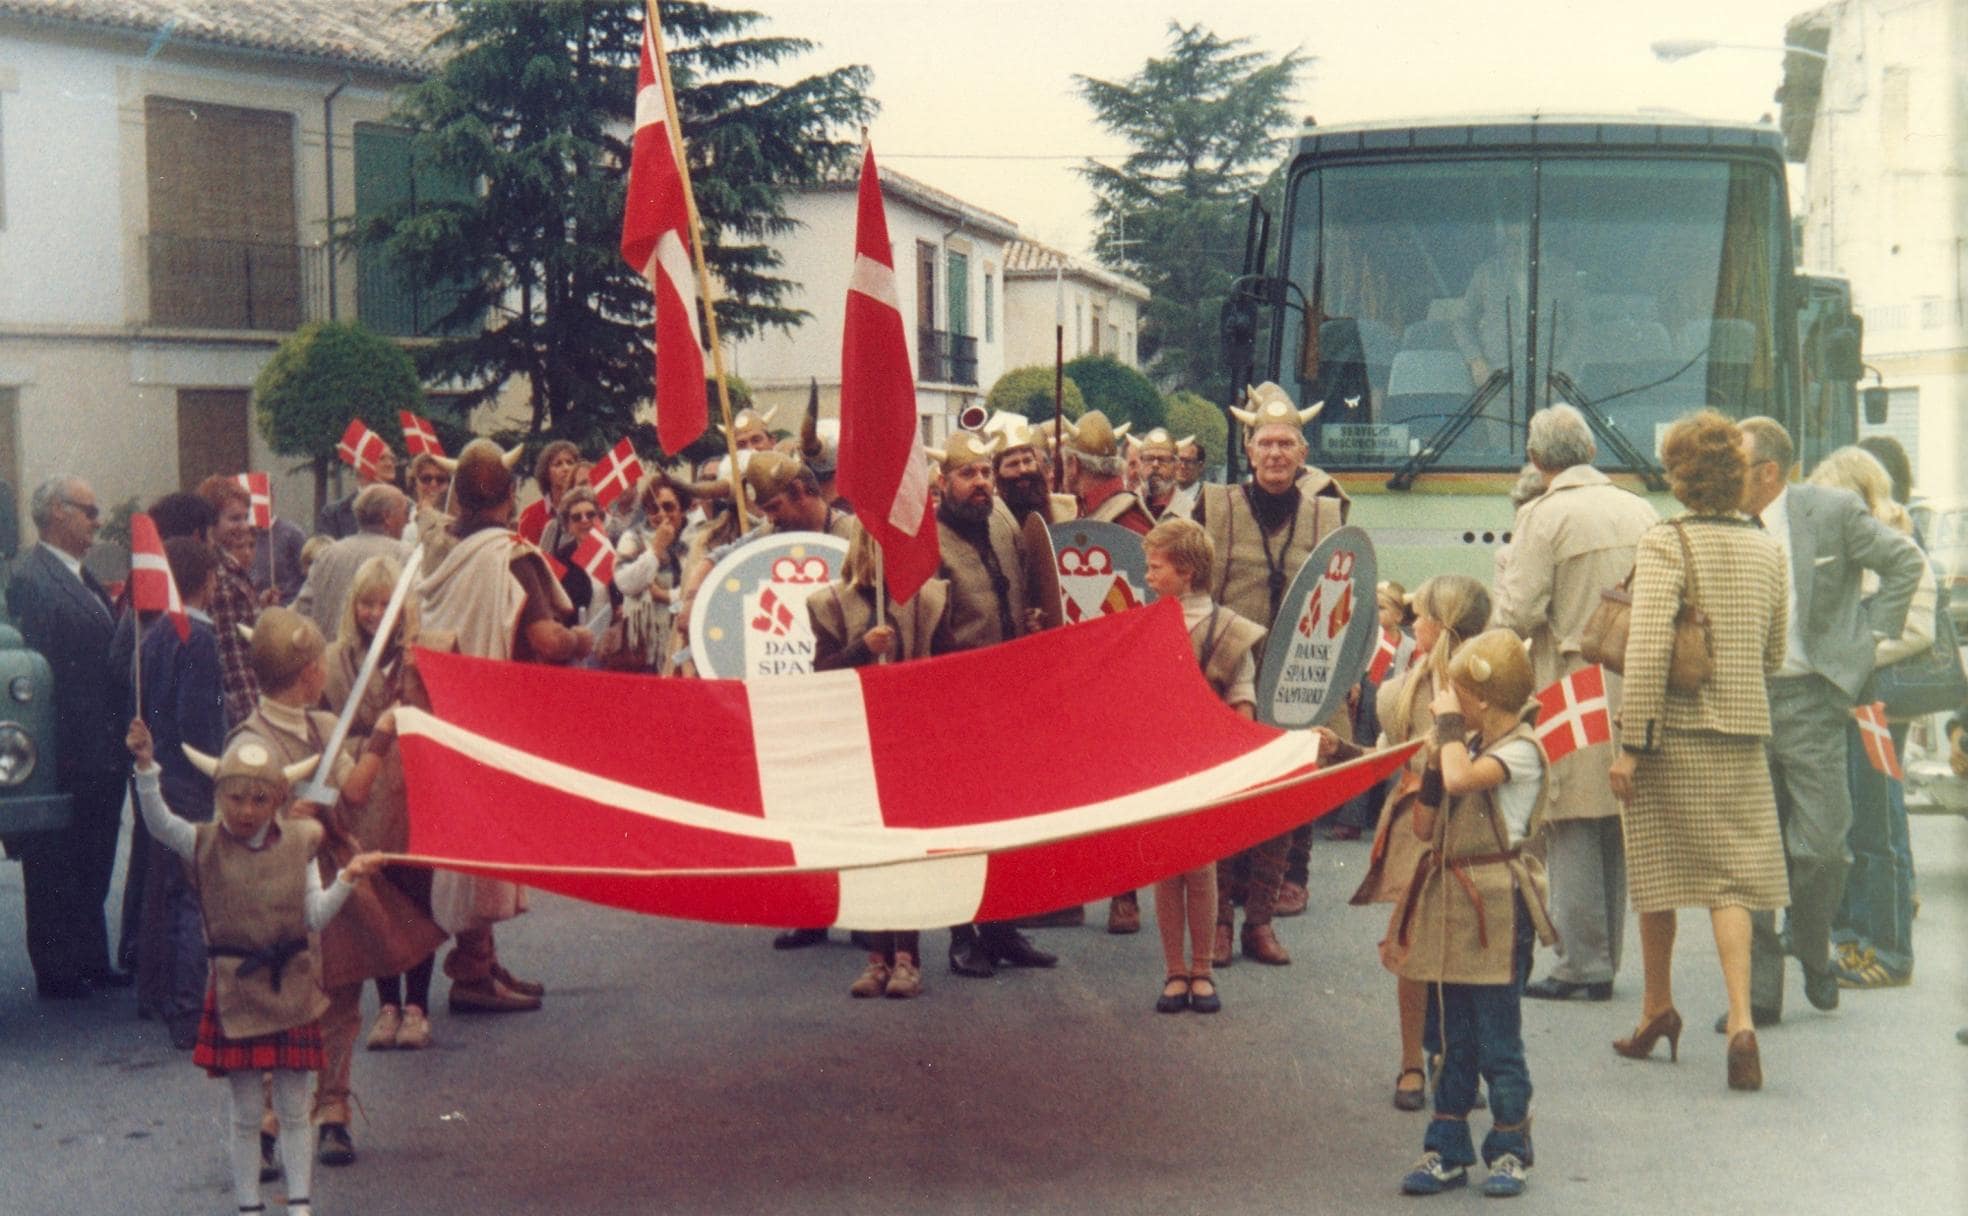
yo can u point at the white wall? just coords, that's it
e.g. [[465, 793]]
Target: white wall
[[1031, 310], [1888, 208]]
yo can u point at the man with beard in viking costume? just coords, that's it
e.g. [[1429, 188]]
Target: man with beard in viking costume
[[990, 602], [1158, 450], [1263, 531], [1021, 468], [494, 593]]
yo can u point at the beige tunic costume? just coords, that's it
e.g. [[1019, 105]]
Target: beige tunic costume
[[1457, 922], [979, 614], [255, 900], [1252, 570], [1702, 831], [842, 615]]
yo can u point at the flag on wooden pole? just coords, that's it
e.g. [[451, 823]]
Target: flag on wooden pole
[[1383, 659], [259, 493], [615, 473], [533, 521], [656, 241], [419, 436], [152, 589], [1575, 713], [1878, 740], [595, 555], [883, 470], [360, 447]]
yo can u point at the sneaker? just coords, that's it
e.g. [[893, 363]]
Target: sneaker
[[1862, 969], [904, 981], [415, 1033], [1508, 1174], [382, 1036], [872, 980], [1430, 1177]]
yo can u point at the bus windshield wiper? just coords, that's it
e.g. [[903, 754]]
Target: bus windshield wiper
[[1450, 431], [1632, 459]]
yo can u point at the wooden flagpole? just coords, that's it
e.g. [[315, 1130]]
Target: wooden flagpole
[[1058, 375], [661, 60]]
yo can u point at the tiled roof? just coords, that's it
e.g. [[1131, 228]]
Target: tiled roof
[[924, 195], [385, 34], [1030, 259]]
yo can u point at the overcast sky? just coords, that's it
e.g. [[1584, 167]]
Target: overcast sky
[[994, 78]]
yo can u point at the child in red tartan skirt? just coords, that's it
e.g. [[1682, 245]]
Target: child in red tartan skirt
[[260, 895]]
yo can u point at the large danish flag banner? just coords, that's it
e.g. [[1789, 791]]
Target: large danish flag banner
[[1575, 713], [656, 241], [883, 470], [835, 799]]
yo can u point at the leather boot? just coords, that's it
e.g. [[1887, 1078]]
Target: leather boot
[[1124, 914], [968, 955], [1013, 949], [1222, 952], [1262, 945], [1292, 899]]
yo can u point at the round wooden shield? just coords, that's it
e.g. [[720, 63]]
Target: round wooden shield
[[1102, 569], [1324, 637], [1042, 570], [749, 618]]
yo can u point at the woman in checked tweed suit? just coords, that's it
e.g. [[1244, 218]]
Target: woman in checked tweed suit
[[1701, 825]]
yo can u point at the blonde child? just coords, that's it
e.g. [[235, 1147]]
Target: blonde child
[[260, 897], [1180, 555], [1469, 918]]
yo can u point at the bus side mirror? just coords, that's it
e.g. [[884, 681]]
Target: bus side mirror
[[1237, 329], [1875, 400], [1842, 362]]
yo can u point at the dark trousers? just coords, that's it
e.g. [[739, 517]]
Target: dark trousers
[[1810, 718], [170, 943], [1480, 1029], [65, 878]]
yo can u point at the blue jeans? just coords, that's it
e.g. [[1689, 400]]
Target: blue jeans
[[1877, 910], [1481, 1032]]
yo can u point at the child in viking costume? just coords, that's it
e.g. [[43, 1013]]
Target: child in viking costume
[[1473, 907], [846, 633], [1180, 556], [261, 897]]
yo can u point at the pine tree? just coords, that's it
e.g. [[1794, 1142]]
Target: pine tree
[[535, 102], [1207, 123]]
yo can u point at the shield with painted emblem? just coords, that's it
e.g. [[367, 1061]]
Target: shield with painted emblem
[[1102, 569], [1324, 637], [749, 618]]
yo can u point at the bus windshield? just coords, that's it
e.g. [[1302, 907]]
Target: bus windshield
[[1644, 287]]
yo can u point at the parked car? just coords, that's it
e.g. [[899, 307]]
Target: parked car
[[28, 800]]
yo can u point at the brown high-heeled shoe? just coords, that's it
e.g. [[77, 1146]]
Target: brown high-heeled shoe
[[1745, 1062], [1640, 1044]]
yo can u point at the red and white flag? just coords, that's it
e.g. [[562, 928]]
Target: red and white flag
[[360, 447], [883, 471], [152, 589], [823, 799], [1575, 713], [533, 521], [1383, 659], [615, 473], [656, 241], [1877, 740], [595, 555], [419, 436], [259, 492]]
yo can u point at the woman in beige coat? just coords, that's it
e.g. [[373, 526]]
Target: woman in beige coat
[[1701, 820]]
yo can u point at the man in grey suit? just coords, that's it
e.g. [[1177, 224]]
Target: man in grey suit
[[381, 513], [1831, 540]]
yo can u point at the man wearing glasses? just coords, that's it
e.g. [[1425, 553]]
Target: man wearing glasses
[[64, 613], [1189, 458]]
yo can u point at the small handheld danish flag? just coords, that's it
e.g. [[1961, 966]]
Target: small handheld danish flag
[[419, 436], [533, 521], [1877, 740], [152, 589], [595, 555], [615, 473], [259, 491], [1383, 659], [360, 447], [1575, 713]]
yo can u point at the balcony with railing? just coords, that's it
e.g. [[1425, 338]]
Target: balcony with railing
[[205, 283], [946, 358]]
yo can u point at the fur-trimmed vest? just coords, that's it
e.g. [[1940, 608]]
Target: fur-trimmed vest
[[1220, 641], [254, 903]]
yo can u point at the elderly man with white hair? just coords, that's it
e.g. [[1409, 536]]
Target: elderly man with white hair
[[1569, 544], [381, 514]]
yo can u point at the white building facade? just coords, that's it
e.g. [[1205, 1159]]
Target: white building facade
[[949, 261], [167, 171], [1887, 207], [1045, 290]]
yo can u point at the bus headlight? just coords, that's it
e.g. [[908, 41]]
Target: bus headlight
[[17, 754], [21, 689]]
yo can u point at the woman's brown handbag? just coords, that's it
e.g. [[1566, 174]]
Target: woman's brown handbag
[[1604, 638]]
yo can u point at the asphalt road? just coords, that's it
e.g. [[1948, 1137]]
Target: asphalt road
[[684, 1068]]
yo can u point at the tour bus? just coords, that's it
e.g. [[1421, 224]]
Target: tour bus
[[1438, 281]]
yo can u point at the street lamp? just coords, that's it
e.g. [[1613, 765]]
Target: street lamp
[[1667, 50]]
